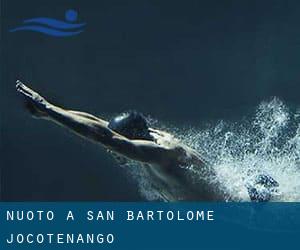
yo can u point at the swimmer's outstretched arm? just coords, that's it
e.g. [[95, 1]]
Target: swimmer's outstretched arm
[[95, 129]]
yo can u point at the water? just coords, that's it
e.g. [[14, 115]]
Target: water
[[268, 141]]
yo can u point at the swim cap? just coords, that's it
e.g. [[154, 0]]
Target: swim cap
[[132, 125]]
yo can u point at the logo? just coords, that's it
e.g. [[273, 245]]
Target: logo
[[53, 27]]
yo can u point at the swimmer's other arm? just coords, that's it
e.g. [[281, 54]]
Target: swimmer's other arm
[[95, 129]]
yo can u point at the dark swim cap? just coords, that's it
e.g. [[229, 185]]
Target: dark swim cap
[[132, 125]]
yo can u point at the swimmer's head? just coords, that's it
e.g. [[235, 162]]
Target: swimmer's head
[[132, 125]]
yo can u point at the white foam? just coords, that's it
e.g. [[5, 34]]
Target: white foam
[[268, 142]]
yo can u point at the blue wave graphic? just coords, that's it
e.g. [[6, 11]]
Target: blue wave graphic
[[47, 31], [53, 23], [55, 27]]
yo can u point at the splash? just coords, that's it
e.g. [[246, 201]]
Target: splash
[[268, 142]]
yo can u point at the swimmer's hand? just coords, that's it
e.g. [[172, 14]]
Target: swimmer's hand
[[35, 103]]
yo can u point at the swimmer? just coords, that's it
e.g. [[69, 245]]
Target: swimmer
[[129, 136]]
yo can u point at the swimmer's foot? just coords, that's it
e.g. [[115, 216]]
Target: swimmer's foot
[[35, 103], [263, 188]]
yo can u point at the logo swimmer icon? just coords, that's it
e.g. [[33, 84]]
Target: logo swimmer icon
[[53, 27]]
